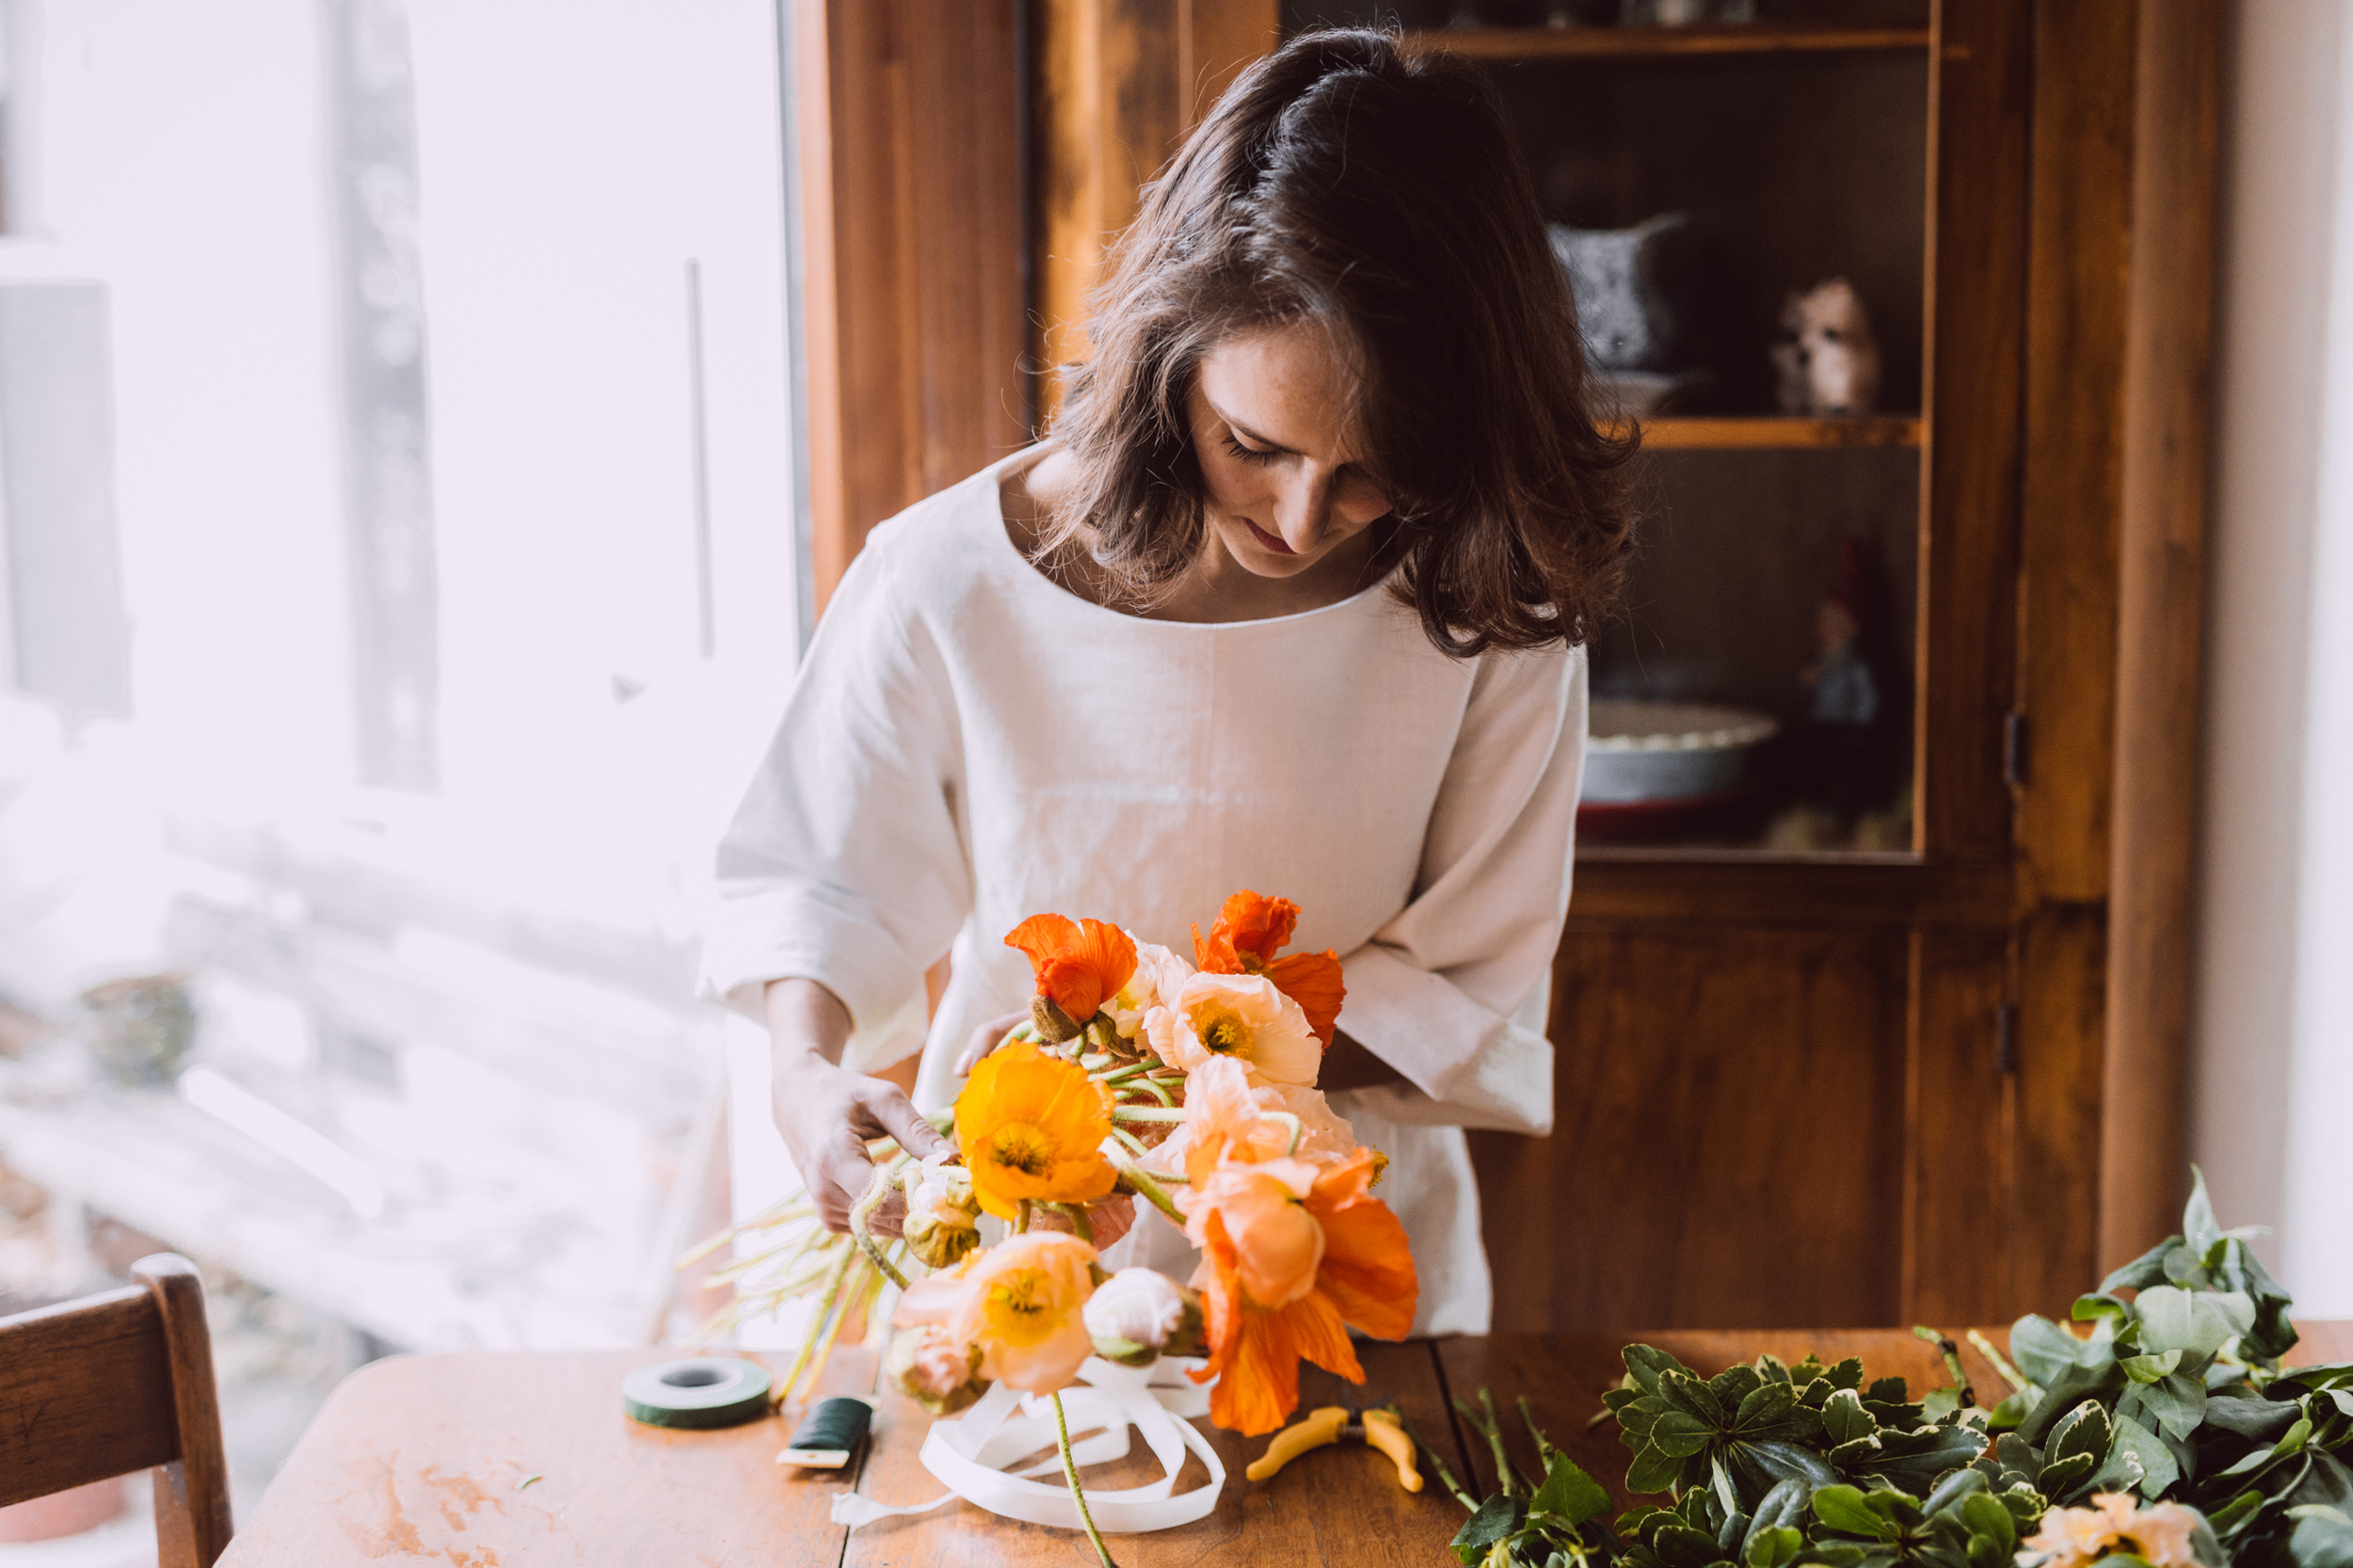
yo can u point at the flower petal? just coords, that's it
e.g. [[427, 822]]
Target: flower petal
[[1313, 981]]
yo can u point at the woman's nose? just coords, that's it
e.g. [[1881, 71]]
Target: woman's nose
[[1303, 512]]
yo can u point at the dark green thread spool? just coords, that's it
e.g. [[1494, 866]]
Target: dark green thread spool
[[697, 1393], [830, 1436]]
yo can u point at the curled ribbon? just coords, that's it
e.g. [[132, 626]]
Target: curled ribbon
[[970, 1452]]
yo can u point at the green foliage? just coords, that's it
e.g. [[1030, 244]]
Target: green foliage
[[2174, 1392]]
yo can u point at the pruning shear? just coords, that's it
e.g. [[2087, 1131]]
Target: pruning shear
[[1378, 1429]]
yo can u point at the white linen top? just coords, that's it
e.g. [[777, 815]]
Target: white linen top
[[968, 743]]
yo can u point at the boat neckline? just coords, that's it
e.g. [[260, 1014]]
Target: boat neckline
[[990, 478]]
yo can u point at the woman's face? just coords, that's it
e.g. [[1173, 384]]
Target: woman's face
[[1286, 488]]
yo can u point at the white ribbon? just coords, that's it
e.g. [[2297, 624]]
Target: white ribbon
[[969, 1451]]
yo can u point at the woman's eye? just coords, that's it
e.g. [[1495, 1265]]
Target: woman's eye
[[1250, 453]]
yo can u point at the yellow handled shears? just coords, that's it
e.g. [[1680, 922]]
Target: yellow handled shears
[[1378, 1429]]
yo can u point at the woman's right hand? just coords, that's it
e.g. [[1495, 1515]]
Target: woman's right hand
[[827, 1113]]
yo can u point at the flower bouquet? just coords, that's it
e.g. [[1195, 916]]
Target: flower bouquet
[[1188, 1086]]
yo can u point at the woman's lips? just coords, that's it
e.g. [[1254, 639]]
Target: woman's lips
[[1271, 543]]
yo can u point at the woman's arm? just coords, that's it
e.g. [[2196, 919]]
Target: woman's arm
[[1449, 993], [827, 1113]]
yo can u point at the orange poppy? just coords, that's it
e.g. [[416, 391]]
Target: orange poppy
[[1031, 1126], [1363, 1277], [1077, 963], [1249, 932]]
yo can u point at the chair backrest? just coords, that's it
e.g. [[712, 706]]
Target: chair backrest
[[117, 1383]]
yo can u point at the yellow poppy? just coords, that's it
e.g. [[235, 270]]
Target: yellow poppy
[[1031, 1126]]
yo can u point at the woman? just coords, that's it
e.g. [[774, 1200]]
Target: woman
[[1292, 598]]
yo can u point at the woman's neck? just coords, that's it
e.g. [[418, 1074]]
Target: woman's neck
[[1215, 589]]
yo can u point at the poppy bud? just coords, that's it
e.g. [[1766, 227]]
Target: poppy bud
[[928, 1365], [1053, 1025]]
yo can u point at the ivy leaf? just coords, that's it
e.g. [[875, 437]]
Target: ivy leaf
[[2143, 1272], [2152, 1369], [1498, 1517], [1569, 1494]]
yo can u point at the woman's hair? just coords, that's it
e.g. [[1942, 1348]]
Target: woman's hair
[[1343, 183]]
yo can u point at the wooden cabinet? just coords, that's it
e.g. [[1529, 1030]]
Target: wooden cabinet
[[1937, 1079]]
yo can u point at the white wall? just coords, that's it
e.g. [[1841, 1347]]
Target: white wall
[[2272, 1073]]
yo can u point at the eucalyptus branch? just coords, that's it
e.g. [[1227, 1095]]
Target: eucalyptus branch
[[1446, 1477], [1492, 1429], [1953, 1369], [1545, 1450], [2000, 1362]]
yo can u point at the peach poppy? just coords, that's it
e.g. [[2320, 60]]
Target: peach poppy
[[1077, 963], [1240, 1016], [1226, 1118], [1249, 932], [1361, 1274], [1032, 1126], [1025, 1307]]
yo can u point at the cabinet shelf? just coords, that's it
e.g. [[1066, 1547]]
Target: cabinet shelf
[[1572, 44], [1730, 433]]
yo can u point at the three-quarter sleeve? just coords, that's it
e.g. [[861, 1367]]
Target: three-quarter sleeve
[[845, 863], [1452, 990]]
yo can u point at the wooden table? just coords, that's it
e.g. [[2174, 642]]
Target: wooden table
[[425, 1459]]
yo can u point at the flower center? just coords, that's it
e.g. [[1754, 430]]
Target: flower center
[[1022, 1146], [1020, 1307], [1222, 1031]]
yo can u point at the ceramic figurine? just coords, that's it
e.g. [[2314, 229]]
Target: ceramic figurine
[[1626, 318], [1827, 362], [1852, 719]]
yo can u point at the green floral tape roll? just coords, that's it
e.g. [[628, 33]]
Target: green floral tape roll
[[701, 1391]]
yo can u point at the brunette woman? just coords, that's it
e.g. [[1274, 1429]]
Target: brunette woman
[[1292, 597]]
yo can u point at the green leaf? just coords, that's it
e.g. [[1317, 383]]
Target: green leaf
[[1845, 1420], [1498, 1517], [2176, 1404], [2060, 1479], [2152, 1369], [1763, 1404], [2098, 1306], [1889, 1391], [1985, 1516], [2198, 1323], [2158, 1467], [1681, 1435], [1844, 1509], [1682, 1547], [1951, 1490], [2044, 1350], [1643, 1363], [2273, 1336], [2084, 1430], [2073, 1386], [1846, 1374], [1569, 1493], [1687, 1394], [2198, 1223], [2005, 1415], [1653, 1470], [1785, 1504], [2321, 1542], [1735, 1384], [2143, 1272], [1771, 1548]]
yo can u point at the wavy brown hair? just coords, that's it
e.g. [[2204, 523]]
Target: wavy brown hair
[[1344, 183]]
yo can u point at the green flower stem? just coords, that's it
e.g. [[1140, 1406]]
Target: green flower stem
[[1146, 1114], [862, 1216], [1081, 1227], [1151, 1086], [1545, 1450], [1150, 1188], [1070, 1473], [1021, 1218], [2001, 1363], [1121, 1075], [1953, 1369], [1438, 1465]]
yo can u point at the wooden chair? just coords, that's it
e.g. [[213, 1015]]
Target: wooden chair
[[117, 1383]]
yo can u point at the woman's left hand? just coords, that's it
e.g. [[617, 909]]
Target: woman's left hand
[[986, 1038]]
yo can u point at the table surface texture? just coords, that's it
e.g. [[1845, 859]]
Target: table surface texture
[[432, 1460]]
